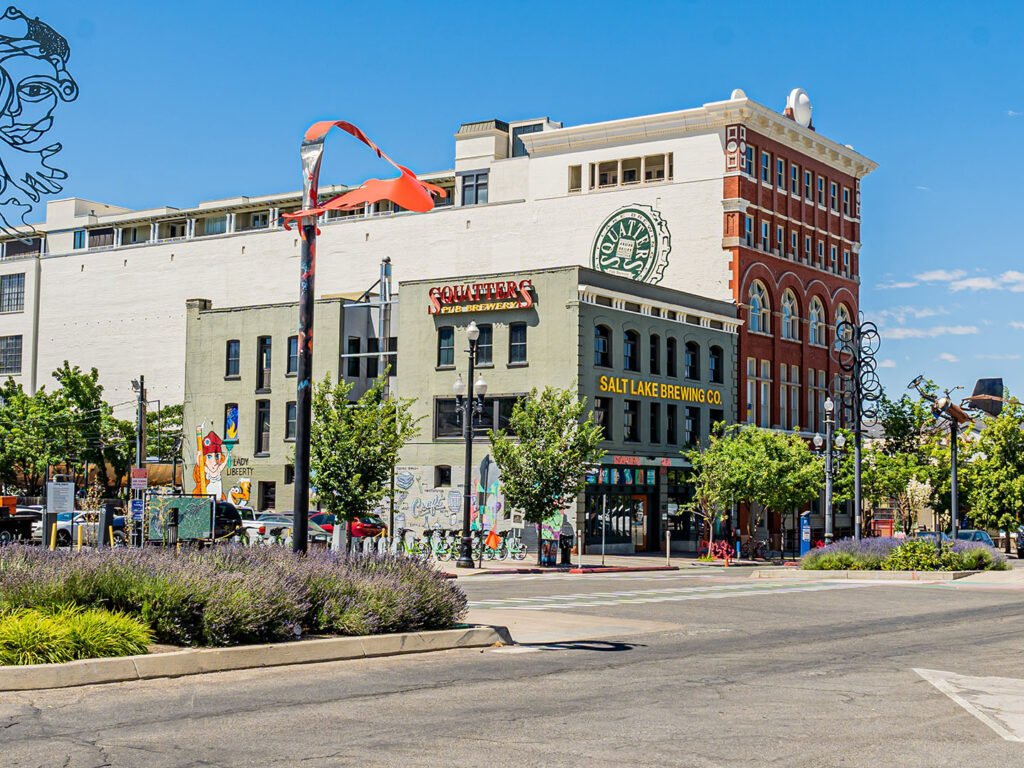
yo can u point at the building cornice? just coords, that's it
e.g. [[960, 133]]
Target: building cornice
[[589, 293]]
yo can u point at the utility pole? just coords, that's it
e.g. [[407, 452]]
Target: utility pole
[[140, 441]]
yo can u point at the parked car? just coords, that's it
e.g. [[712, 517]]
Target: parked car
[[974, 535], [367, 525], [278, 525], [324, 519], [227, 521], [930, 536], [68, 524]]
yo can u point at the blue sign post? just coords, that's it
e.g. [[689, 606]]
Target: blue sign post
[[137, 507], [805, 533]]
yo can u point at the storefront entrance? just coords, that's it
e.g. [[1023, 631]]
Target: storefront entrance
[[630, 496]]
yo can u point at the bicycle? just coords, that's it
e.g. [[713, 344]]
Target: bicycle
[[513, 545], [402, 544], [754, 548]]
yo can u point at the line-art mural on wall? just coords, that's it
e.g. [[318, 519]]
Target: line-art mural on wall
[[33, 80]]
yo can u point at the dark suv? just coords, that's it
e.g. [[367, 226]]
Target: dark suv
[[227, 521]]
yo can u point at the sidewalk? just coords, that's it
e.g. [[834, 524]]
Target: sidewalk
[[580, 564]]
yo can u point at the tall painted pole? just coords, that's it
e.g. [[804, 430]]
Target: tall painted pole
[[954, 506], [466, 550], [829, 534]]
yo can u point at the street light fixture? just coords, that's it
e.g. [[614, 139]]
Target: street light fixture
[[830, 454], [468, 406]]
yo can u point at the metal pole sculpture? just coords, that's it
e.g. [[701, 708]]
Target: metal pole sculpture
[[406, 191], [859, 390]]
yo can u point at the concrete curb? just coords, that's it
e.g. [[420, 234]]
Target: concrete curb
[[196, 661], [799, 573], [578, 571]]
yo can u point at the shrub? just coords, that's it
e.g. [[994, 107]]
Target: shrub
[[974, 556], [232, 595], [30, 636], [913, 555], [851, 554]]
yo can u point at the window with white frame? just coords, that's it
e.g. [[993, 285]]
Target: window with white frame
[[807, 248], [780, 239], [794, 178], [751, 390], [760, 310], [842, 328], [821, 190], [821, 254], [807, 186], [833, 196], [793, 245], [749, 231], [784, 396], [833, 253], [765, 404], [794, 396], [750, 161], [765, 242], [816, 400], [846, 263], [846, 201], [766, 167], [815, 322], [790, 317], [780, 173]]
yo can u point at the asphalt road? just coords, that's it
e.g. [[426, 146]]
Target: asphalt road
[[688, 669]]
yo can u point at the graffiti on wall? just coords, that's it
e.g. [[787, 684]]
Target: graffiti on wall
[[420, 504], [211, 461]]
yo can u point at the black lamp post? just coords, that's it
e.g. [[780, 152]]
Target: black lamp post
[[840, 441], [468, 407]]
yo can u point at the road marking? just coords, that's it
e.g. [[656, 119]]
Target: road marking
[[595, 599], [997, 701]]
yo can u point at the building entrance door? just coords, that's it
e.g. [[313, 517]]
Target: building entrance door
[[638, 512]]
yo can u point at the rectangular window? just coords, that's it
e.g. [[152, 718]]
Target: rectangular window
[[749, 231], [794, 249], [780, 174], [602, 415], [821, 254], [807, 185], [654, 167], [474, 188], [846, 263], [289, 420], [289, 474], [794, 396], [670, 418], [373, 362], [783, 395], [691, 426], [766, 167], [794, 178], [517, 344], [655, 357], [750, 161], [230, 422], [833, 197], [846, 201], [575, 178], [765, 244], [263, 360], [751, 390], [631, 170], [780, 239], [79, 239], [12, 293], [495, 415], [832, 258], [655, 425], [392, 358], [518, 148], [231, 366], [355, 346], [443, 476], [262, 427], [485, 345], [215, 225], [631, 421], [445, 347], [821, 190], [807, 248], [259, 220], [293, 355], [608, 174]]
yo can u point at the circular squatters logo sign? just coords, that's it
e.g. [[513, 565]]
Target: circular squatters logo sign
[[633, 242]]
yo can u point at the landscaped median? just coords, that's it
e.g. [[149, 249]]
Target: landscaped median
[[57, 608]]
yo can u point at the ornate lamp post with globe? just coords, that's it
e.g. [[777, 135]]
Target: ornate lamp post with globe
[[467, 406], [840, 441]]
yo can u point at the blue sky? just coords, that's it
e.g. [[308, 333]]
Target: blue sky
[[189, 101]]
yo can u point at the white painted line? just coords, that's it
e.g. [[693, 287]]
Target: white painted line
[[997, 701]]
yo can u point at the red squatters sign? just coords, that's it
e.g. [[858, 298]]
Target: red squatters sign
[[480, 297]]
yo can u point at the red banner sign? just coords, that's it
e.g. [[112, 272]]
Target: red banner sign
[[480, 297]]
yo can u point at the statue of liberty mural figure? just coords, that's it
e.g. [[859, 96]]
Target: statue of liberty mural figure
[[33, 80]]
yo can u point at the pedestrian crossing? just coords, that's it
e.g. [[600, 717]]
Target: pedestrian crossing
[[677, 594]]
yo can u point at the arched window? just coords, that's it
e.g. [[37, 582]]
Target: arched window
[[692, 360], [671, 361], [843, 329], [602, 346], [790, 317], [631, 351], [717, 365], [816, 322], [655, 354], [760, 309]]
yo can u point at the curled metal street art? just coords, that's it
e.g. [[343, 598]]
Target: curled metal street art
[[33, 80]]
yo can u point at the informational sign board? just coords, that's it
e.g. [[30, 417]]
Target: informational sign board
[[195, 516], [140, 479], [60, 497], [138, 505], [805, 533]]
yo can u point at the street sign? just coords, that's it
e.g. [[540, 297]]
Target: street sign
[[140, 479], [138, 505], [60, 497]]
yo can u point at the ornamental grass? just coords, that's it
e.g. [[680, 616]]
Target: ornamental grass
[[234, 595], [31, 636], [889, 553]]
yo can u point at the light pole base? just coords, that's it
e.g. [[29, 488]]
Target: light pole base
[[465, 555]]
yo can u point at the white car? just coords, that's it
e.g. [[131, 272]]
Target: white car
[[68, 524]]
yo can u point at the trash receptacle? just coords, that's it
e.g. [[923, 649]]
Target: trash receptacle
[[565, 541]]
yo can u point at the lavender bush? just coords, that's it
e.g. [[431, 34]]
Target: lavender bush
[[233, 595], [891, 553]]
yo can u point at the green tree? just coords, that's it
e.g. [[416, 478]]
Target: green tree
[[905, 421], [163, 430], [996, 472], [545, 454], [28, 424], [354, 445], [710, 471], [886, 476]]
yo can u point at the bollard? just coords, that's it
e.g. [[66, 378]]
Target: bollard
[[53, 537], [110, 530], [668, 547], [79, 538]]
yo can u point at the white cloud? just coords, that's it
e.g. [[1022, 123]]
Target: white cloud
[[998, 357], [891, 285], [901, 313], [975, 284], [887, 364], [929, 333], [949, 358], [1017, 324], [923, 188], [1013, 113], [941, 275]]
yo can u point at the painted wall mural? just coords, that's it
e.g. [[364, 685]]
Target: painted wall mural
[[210, 465], [419, 504]]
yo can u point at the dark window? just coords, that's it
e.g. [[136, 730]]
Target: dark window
[[263, 363], [289, 474], [442, 476], [671, 358], [602, 347], [670, 417], [289, 421], [655, 424], [293, 355], [656, 354], [373, 363], [474, 188], [14, 248], [268, 495], [445, 346], [262, 426], [355, 346], [631, 351], [10, 354], [392, 359], [692, 361], [231, 367], [518, 149], [603, 415], [717, 415], [631, 421], [517, 343], [12, 293], [691, 429], [485, 345], [716, 361], [496, 412]]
